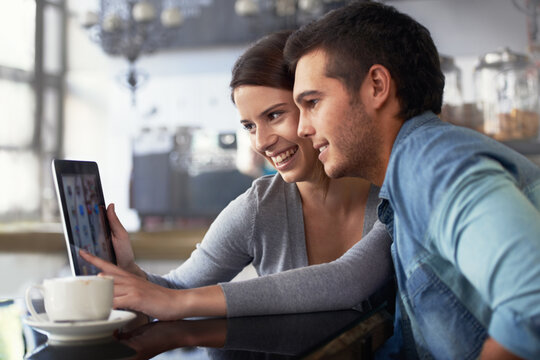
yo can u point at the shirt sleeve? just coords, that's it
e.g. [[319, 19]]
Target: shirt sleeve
[[223, 252], [341, 284], [490, 231]]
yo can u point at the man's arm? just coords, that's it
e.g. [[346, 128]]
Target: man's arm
[[491, 232]]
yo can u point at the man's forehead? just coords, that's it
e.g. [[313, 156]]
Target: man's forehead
[[310, 67], [314, 60]]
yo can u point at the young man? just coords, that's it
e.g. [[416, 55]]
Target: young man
[[463, 209]]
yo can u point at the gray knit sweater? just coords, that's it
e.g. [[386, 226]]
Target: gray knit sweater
[[265, 227]]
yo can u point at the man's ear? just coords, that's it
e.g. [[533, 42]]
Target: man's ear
[[379, 83]]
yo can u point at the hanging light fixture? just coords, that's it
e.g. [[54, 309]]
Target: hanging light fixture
[[131, 28], [301, 10]]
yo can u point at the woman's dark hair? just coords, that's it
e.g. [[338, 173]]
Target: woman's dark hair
[[263, 64], [362, 34]]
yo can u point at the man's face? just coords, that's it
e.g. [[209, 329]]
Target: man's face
[[337, 124]]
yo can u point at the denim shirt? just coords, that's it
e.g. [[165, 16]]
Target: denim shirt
[[464, 213]]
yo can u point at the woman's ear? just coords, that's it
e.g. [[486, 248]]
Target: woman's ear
[[379, 83]]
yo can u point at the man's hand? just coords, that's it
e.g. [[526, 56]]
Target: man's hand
[[492, 350]]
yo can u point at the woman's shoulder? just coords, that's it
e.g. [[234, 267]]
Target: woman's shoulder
[[370, 213], [268, 187]]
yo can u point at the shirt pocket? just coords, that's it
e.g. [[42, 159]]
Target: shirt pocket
[[449, 330]]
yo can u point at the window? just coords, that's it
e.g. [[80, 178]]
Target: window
[[31, 115]]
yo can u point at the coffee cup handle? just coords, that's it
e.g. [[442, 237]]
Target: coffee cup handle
[[30, 305]]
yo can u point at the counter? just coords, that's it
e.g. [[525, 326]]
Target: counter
[[49, 238]]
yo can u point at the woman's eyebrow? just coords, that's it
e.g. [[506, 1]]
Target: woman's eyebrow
[[264, 112]]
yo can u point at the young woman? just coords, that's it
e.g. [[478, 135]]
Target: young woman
[[282, 224]]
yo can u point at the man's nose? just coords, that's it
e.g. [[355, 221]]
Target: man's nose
[[305, 129]]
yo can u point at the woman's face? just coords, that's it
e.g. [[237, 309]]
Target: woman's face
[[271, 118]]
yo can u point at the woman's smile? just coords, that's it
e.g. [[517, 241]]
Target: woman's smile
[[284, 158], [271, 118]]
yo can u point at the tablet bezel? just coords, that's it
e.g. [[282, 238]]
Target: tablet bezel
[[61, 168]]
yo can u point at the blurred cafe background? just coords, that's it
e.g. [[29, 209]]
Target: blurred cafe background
[[141, 87]]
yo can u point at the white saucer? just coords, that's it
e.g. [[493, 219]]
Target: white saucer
[[81, 330]]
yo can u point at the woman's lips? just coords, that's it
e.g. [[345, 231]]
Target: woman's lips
[[283, 158]]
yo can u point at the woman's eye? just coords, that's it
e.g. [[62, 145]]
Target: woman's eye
[[274, 115], [248, 127]]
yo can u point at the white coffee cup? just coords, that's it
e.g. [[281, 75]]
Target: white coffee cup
[[78, 298]]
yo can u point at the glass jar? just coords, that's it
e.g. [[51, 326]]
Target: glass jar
[[452, 81], [506, 89], [452, 95]]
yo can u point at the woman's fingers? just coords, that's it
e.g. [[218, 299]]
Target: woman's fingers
[[104, 265], [94, 260], [124, 285], [122, 246], [133, 292], [124, 302], [130, 291], [116, 226]]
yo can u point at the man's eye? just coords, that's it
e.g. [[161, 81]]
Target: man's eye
[[311, 103]]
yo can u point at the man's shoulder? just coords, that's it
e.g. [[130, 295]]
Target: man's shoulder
[[433, 137], [428, 156], [428, 142]]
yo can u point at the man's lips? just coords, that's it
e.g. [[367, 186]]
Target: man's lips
[[322, 150], [320, 146]]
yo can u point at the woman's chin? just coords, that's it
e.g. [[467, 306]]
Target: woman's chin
[[288, 177]]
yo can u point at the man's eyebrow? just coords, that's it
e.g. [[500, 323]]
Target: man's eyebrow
[[302, 95]]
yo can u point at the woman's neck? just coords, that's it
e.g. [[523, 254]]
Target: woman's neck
[[341, 194], [333, 212]]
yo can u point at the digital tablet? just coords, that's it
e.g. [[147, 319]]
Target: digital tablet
[[83, 212]]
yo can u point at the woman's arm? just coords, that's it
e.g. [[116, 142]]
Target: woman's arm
[[222, 254], [341, 284]]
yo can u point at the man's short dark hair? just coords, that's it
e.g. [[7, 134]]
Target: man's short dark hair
[[362, 34]]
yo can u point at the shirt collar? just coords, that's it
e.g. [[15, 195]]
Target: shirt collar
[[406, 129]]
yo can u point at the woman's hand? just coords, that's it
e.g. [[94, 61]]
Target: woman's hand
[[138, 294], [122, 246]]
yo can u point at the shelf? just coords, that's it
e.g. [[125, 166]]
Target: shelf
[[524, 147], [173, 244]]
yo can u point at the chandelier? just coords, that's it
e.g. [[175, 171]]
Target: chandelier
[[302, 10], [131, 28]]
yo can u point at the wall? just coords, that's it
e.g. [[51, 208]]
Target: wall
[[190, 86], [184, 87], [467, 29]]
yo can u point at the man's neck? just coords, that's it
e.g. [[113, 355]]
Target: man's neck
[[389, 132]]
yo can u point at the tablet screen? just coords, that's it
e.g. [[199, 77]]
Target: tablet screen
[[83, 212]]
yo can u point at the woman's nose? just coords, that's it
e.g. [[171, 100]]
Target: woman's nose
[[264, 138]]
